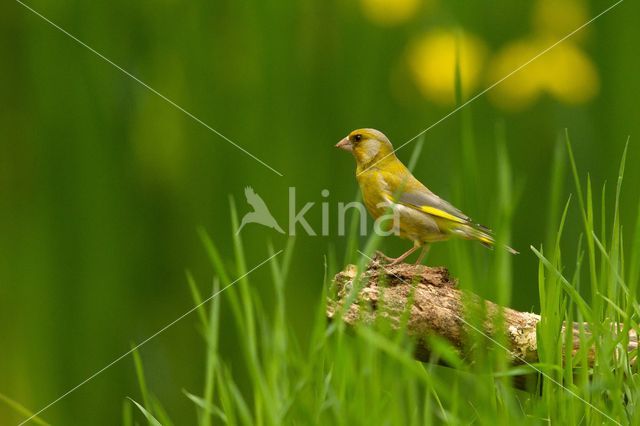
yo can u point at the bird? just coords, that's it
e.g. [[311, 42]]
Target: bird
[[419, 215], [260, 213]]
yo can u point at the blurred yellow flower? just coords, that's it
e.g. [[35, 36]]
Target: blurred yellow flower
[[390, 12], [432, 62], [559, 17], [564, 72], [574, 77]]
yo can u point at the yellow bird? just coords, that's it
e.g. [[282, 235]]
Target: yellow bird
[[419, 214]]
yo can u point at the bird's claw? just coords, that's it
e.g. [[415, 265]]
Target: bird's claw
[[380, 256]]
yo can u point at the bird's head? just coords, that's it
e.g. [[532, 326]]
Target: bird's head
[[368, 146]]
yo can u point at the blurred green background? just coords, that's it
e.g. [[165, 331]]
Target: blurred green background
[[103, 184]]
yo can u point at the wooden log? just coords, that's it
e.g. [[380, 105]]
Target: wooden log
[[437, 307]]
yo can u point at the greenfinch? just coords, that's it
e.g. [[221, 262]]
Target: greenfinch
[[419, 214]]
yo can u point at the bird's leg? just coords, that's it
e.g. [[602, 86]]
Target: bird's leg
[[404, 255], [423, 253], [384, 256]]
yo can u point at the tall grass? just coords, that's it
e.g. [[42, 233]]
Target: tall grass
[[368, 375]]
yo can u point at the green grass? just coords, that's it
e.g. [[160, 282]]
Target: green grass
[[368, 376], [102, 183], [334, 375]]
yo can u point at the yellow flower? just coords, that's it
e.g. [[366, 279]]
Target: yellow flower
[[389, 12], [558, 18], [564, 72], [432, 62], [521, 88], [573, 78]]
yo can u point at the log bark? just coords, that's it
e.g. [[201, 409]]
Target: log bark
[[438, 307]]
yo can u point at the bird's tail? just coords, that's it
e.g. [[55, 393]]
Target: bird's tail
[[241, 226], [486, 239]]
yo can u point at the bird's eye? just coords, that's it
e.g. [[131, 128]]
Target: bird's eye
[[357, 137]]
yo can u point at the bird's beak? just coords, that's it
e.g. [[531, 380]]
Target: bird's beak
[[345, 144]]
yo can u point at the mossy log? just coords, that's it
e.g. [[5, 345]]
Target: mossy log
[[438, 307]]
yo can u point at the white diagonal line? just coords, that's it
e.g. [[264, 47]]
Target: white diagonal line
[[146, 86], [590, 21], [163, 329], [515, 355]]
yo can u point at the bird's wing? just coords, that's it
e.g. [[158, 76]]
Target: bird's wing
[[430, 203], [249, 192], [254, 199], [405, 189]]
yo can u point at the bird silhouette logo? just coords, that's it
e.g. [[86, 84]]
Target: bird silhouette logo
[[260, 213]]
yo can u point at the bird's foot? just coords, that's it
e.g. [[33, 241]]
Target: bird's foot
[[390, 261], [398, 260], [380, 256], [422, 255]]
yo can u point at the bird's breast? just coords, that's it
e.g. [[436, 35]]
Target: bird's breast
[[374, 192]]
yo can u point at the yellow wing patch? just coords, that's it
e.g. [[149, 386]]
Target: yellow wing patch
[[439, 213], [486, 239]]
